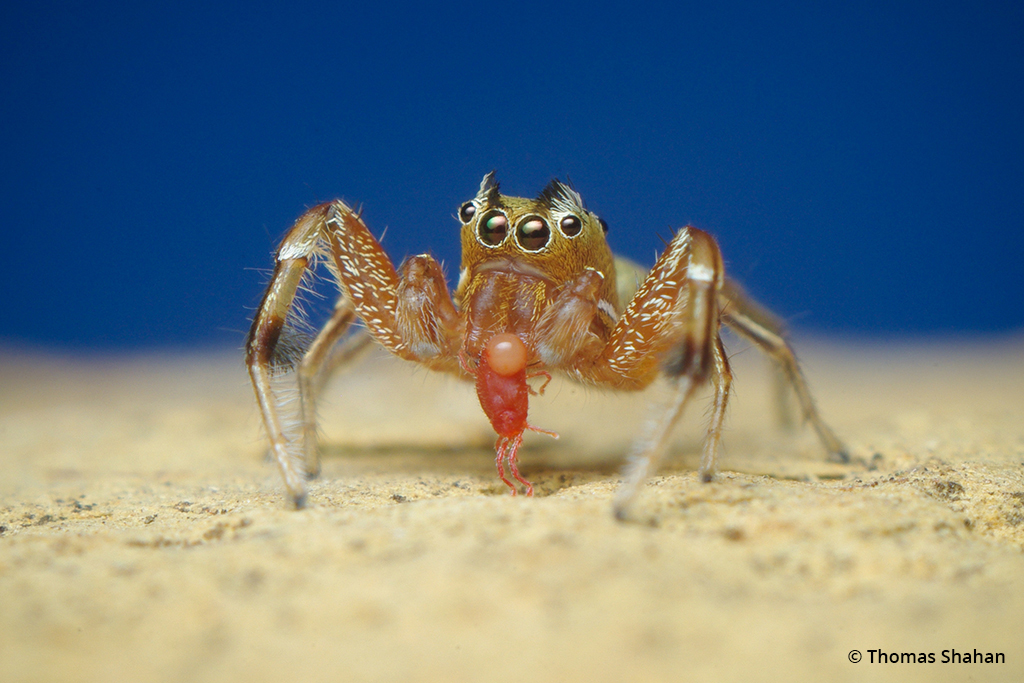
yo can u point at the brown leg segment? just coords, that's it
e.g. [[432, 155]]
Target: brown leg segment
[[674, 321], [372, 293], [265, 353], [563, 333], [722, 380], [313, 372], [649, 450], [261, 350], [425, 315], [749, 320]]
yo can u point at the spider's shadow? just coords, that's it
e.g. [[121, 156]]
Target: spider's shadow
[[550, 466]]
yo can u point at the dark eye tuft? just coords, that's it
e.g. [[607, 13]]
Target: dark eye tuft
[[533, 233], [493, 228], [467, 211], [571, 226]]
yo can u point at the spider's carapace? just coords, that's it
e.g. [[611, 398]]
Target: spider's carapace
[[537, 293]]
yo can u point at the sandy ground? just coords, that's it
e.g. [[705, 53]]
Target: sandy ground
[[144, 537]]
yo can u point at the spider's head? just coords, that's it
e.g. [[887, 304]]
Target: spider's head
[[553, 234]]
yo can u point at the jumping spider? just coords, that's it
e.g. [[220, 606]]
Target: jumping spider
[[537, 293]]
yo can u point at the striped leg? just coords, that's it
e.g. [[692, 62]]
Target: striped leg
[[412, 316], [264, 354], [671, 326]]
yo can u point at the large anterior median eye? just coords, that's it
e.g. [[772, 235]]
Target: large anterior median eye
[[533, 233], [492, 228]]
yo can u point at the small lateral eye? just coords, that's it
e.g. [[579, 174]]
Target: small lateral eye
[[533, 233], [493, 228], [604, 225], [571, 226], [467, 211]]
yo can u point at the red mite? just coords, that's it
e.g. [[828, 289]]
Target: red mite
[[504, 395], [537, 293]]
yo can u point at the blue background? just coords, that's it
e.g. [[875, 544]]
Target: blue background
[[861, 166]]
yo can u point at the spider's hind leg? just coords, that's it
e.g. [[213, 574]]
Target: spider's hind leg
[[331, 350], [748, 319]]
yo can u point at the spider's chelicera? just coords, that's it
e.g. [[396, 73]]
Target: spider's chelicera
[[537, 294]]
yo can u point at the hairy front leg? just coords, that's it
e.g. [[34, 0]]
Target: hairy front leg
[[649, 450], [412, 316], [266, 354], [672, 327]]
